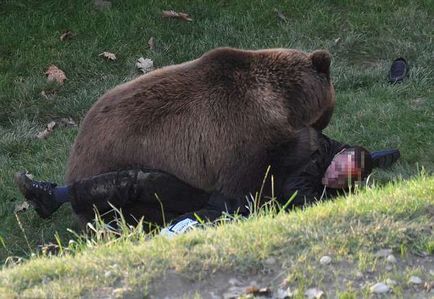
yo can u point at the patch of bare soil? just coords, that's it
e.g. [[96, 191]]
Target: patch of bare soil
[[271, 281]]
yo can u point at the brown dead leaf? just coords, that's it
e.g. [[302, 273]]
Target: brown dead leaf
[[66, 35], [280, 15], [428, 286], [55, 74], [108, 56], [49, 249], [264, 292], [44, 134], [21, 207], [176, 15], [151, 43]]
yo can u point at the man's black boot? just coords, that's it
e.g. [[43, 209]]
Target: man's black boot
[[39, 194], [385, 158]]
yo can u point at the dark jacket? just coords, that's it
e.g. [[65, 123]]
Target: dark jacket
[[302, 170]]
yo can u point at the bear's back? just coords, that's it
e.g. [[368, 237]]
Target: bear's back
[[166, 119]]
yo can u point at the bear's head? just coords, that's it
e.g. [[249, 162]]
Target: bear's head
[[303, 80]]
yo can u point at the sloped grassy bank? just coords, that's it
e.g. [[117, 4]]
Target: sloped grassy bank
[[398, 216]]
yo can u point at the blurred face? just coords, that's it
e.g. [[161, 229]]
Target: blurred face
[[341, 170]]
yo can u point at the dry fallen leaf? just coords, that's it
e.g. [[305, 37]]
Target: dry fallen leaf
[[67, 122], [49, 249], [428, 286], [145, 65], [55, 74], [46, 94], [263, 292], [337, 41], [151, 43], [51, 125], [44, 134], [176, 15], [108, 55], [280, 15], [21, 207], [66, 35]]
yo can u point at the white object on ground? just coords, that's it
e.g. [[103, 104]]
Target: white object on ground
[[325, 260], [270, 261], [178, 228], [285, 294], [383, 252], [314, 293], [391, 259], [380, 288], [415, 280]]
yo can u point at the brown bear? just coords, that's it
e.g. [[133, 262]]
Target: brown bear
[[211, 122]]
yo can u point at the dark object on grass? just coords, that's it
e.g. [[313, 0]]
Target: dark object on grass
[[385, 158], [398, 71], [39, 194]]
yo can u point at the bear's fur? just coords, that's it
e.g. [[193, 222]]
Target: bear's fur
[[211, 122]]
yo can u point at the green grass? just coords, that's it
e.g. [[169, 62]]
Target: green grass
[[369, 111]]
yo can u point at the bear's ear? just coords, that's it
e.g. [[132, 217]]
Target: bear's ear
[[321, 60]]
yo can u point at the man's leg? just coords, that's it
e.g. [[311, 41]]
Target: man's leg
[[84, 195], [137, 192]]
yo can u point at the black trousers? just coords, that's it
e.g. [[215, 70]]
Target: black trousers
[[158, 197]]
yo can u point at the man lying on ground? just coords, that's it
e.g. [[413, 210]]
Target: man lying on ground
[[317, 167]]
